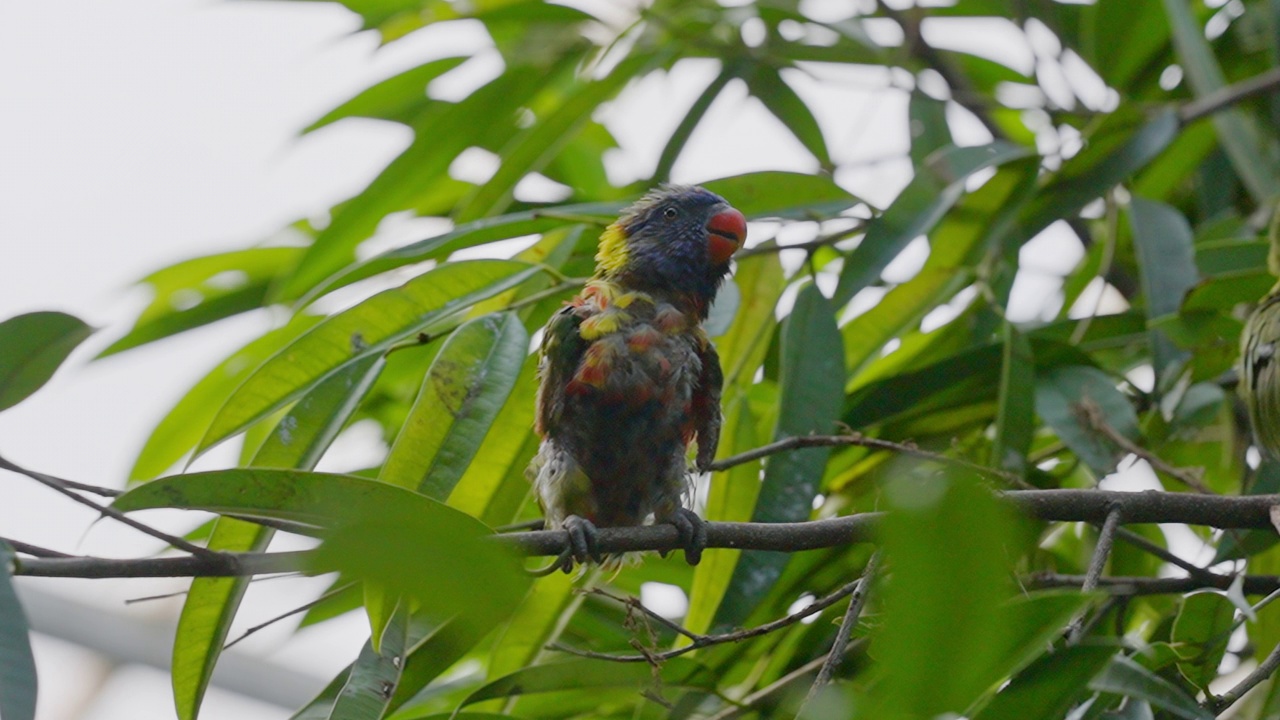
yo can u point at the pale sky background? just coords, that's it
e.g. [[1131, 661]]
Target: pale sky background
[[137, 133]]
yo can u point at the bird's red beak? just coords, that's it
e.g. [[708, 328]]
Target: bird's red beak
[[725, 232]]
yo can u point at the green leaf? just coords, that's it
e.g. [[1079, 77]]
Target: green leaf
[[1126, 677], [502, 457], [731, 498], [933, 190], [207, 614], [812, 391], [545, 610], [947, 540], [203, 290], [927, 123], [1226, 290], [319, 499], [976, 224], [1049, 687], [181, 429], [375, 674], [397, 98], [689, 122], [445, 562], [1115, 152], [1015, 418], [767, 84], [32, 346], [1061, 394], [480, 232], [368, 328], [17, 665], [779, 194], [297, 441], [1200, 634], [437, 142], [1238, 134], [583, 674], [530, 150], [461, 395], [1163, 243]]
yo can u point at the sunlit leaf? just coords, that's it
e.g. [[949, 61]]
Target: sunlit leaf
[[368, 328], [461, 395]]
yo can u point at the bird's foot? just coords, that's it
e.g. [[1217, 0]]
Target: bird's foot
[[582, 543], [693, 533]]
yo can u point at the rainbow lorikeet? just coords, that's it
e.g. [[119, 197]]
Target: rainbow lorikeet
[[628, 376]]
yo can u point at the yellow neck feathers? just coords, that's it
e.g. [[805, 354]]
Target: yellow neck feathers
[[612, 255]]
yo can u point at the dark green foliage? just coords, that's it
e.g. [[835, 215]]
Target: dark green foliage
[[1133, 347]]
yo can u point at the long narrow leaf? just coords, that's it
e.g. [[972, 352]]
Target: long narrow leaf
[[366, 329], [17, 665]]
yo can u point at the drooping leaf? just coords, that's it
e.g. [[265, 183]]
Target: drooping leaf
[[374, 675], [812, 382], [297, 441], [17, 665], [32, 347], [768, 85], [462, 393]]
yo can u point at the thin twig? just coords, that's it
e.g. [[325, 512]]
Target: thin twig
[[1093, 506], [782, 683], [68, 490], [1265, 669], [700, 641], [1097, 420], [850, 621], [810, 245], [1133, 586], [33, 550], [854, 439], [302, 608], [1228, 96], [1146, 545], [634, 602], [209, 565]]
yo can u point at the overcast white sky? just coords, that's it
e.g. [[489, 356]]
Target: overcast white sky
[[140, 132]]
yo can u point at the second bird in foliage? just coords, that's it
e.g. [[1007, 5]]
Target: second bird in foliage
[[629, 379]]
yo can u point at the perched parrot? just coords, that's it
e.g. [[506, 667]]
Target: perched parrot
[[628, 378], [1260, 368]]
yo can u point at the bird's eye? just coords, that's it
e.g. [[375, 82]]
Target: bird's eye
[[670, 213]]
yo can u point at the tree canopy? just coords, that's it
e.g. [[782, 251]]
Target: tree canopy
[[906, 518]]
